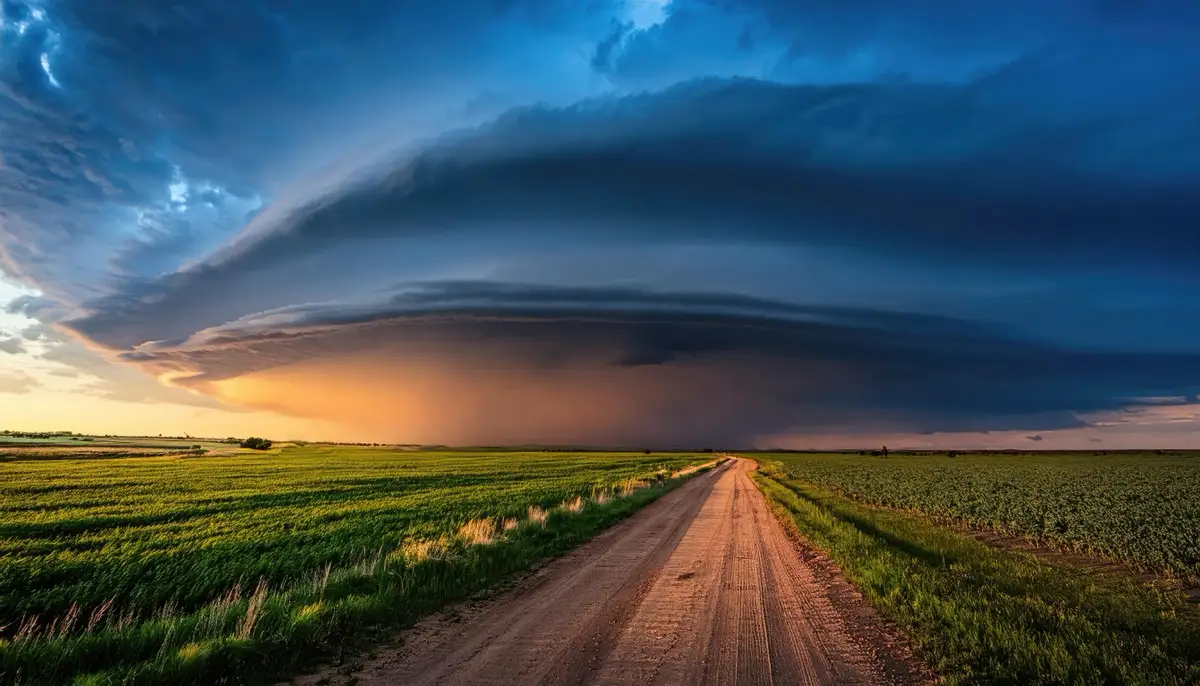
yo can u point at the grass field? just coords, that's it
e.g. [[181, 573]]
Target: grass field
[[174, 570], [987, 614]]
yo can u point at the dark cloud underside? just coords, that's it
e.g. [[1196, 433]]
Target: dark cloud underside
[[859, 369]]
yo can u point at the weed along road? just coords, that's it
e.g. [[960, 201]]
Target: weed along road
[[702, 586]]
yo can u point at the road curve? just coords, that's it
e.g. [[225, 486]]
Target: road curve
[[701, 587]]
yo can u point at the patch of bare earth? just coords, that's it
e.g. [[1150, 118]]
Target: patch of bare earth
[[43, 451], [702, 586]]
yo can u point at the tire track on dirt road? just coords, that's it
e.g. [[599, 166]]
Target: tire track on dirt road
[[701, 586]]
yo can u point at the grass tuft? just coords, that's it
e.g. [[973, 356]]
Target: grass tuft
[[416, 552], [538, 516], [254, 609], [478, 532]]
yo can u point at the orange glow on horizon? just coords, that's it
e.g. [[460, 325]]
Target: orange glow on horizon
[[421, 400]]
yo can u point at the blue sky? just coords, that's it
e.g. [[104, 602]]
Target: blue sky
[[778, 223]]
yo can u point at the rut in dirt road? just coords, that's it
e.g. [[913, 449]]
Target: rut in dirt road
[[702, 586]]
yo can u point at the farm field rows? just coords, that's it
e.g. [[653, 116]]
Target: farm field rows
[[108, 563], [987, 614], [61, 445], [1142, 509]]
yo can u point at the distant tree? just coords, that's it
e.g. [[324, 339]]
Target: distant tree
[[256, 443], [647, 452]]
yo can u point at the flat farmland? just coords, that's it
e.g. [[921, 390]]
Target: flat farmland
[[1139, 508], [166, 569], [983, 608]]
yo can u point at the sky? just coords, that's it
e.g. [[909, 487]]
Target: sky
[[666, 223]]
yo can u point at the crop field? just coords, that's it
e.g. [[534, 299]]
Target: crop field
[[1143, 509], [984, 614], [73, 446], [176, 569]]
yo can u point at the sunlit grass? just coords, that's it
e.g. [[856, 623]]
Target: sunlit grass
[[981, 614], [191, 571]]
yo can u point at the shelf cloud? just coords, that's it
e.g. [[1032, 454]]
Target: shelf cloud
[[613, 222]]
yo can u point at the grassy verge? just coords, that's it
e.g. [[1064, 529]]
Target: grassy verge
[[984, 615], [256, 635]]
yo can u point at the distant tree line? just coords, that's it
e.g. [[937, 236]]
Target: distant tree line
[[36, 434]]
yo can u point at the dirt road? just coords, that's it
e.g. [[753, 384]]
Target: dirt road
[[702, 586]]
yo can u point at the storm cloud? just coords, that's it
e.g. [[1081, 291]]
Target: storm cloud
[[738, 367], [712, 221], [714, 162]]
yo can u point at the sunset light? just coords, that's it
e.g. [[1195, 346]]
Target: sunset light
[[603, 342]]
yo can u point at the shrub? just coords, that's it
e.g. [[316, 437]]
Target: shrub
[[256, 443]]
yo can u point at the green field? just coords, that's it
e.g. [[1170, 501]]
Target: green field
[[982, 613], [172, 570], [1143, 509]]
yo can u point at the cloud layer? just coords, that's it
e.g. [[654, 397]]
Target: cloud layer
[[523, 363], [699, 220]]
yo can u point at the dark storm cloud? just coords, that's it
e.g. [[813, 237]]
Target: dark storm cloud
[[519, 298], [930, 170], [807, 367], [138, 94], [926, 173]]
